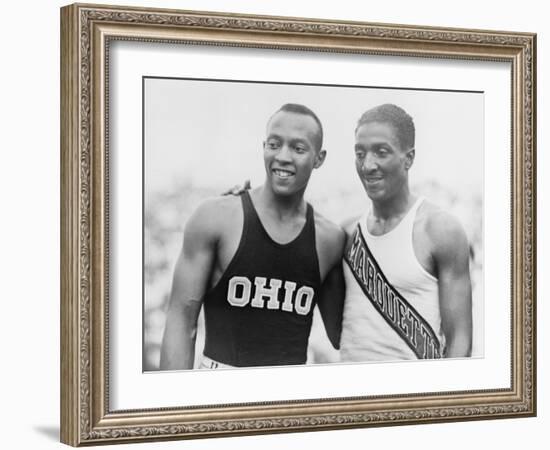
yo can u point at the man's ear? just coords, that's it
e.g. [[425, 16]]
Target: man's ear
[[409, 158], [320, 158]]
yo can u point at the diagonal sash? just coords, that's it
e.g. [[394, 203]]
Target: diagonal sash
[[392, 306]]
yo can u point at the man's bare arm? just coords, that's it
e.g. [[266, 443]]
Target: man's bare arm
[[451, 253], [331, 240], [191, 276], [331, 304]]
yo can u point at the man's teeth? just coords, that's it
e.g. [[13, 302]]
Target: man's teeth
[[282, 173]]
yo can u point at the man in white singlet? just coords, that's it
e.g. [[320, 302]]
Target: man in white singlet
[[406, 263]]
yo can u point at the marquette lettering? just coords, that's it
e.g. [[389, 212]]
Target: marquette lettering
[[395, 309]]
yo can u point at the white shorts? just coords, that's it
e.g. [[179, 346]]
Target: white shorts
[[208, 363]]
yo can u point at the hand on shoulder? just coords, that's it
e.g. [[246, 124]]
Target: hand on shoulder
[[238, 189]]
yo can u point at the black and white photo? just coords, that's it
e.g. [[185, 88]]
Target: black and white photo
[[359, 241]]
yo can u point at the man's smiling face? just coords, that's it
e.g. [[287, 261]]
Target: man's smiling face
[[291, 151], [381, 162]]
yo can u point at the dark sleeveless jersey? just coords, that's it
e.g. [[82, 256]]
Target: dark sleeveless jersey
[[260, 311]]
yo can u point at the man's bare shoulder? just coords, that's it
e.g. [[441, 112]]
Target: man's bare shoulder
[[329, 233], [442, 228], [348, 225], [213, 214]]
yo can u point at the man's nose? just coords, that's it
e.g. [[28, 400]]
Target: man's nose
[[370, 163], [284, 154]]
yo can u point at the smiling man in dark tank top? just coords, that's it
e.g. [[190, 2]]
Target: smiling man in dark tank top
[[259, 263]]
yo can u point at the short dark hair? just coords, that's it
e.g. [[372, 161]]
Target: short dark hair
[[395, 116], [301, 109]]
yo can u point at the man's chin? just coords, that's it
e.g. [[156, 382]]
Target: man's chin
[[375, 195], [283, 190], [286, 190]]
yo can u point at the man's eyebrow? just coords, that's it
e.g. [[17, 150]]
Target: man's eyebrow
[[377, 143]]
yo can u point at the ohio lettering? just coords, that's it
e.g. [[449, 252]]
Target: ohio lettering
[[272, 294], [395, 309]]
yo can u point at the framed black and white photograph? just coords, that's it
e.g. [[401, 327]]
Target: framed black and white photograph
[[256, 208]]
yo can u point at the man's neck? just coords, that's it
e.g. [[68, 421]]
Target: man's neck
[[280, 206], [393, 208]]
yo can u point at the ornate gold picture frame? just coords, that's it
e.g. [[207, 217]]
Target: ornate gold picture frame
[[87, 35]]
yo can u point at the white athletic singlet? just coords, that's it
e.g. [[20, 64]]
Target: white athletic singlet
[[402, 319]]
